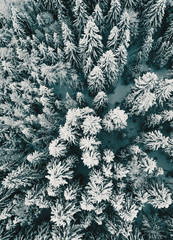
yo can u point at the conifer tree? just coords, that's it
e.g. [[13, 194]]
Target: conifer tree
[[98, 16], [96, 80], [154, 140], [115, 119], [109, 66], [112, 38], [113, 13], [154, 13], [121, 57], [81, 15], [70, 49], [159, 196], [100, 101], [142, 96], [147, 46], [90, 44]]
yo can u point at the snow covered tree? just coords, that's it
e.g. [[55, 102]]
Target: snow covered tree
[[68, 133], [154, 140], [62, 213], [59, 173], [129, 211], [115, 119], [91, 158], [151, 225], [98, 189], [57, 148], [154, 120], [124, 23], [98, 16], [130, 3], [159, 196], [70, 49], [164, 90], [113, 13], [147, 45], [89, 143], [142, 96], [154, 13], [91, 125], [80, 98], [23, 176], [100, 101], [121, 58], [108, 155], [163, 54], [112, 38], [70, 232], [90, 43], [81, 15], [109, 66], [96, 80]]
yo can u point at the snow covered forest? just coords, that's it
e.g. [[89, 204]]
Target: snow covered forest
[[86, 119]]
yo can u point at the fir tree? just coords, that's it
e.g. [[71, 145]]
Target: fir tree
[[159, 196], [154, 140], [115, 119], [100, 101], [81, 15], [112, 38], [109, 66], [59, 173], [154, 13], [90, 44], [113, 13], [96, 80]]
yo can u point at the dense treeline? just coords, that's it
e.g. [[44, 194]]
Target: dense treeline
[[60, 177]]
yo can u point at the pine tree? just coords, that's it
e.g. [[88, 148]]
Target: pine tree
[[91, 125], [70, 232], [113, 13], [98, 190], [89, 143], [121, 57], [91, 158], [100, 101], [124, 22], [68, 134], [163, 54], [59, 173], [159, 196], [154, 13], [142, 97], [108, 155], [112, 38], [57, 148], [21, 177], [147, 46], [164, 90], [151, 225], [154, 140], [70, 49], [81, 15], [109, 66], [98, 16], [96, 81], [115, 119], [130, 3], [90, 44], [62, 213]]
